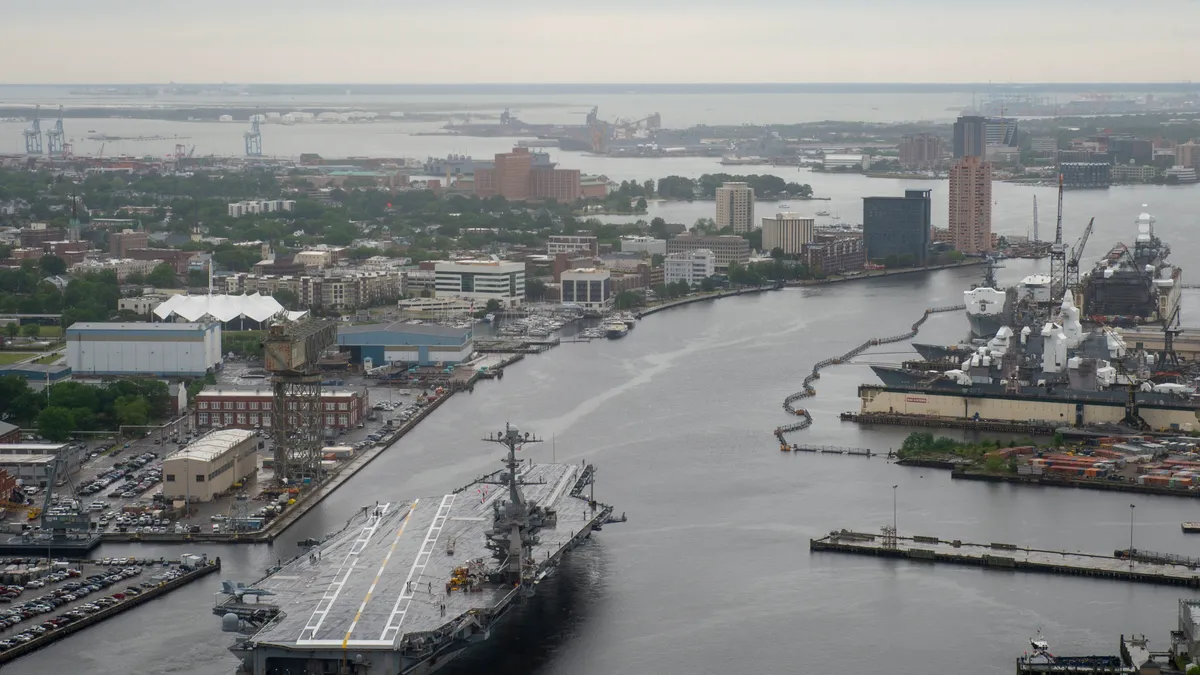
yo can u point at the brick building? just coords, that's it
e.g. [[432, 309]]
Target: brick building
[[515, 177], [178, 260], [38, 234], [120, 243], [835, 255], [250, 408]]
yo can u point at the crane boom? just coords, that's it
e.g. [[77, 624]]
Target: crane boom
[[1058, 254]]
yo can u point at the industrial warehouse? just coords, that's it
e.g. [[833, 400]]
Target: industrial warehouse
[[250, 407], [148, 349], [419, 344], [210, 465]]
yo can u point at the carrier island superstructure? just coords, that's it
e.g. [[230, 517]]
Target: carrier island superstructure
[[406, 587]]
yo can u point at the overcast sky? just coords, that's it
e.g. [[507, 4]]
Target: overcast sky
[[468, 41]]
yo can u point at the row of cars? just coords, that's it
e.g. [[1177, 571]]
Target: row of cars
[[67, 593], [136, 482]]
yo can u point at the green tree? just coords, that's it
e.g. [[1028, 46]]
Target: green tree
[[288, 299], [131, 410], [628, 300], [535, 289], [135, 278], [707, 285], [777, 253], [195, 278], [162, 276], [56, 424], [641, 204], [31, 330], [11, 329], [52, 265], [657, 260]]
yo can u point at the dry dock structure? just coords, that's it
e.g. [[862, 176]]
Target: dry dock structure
[[1007, 557]]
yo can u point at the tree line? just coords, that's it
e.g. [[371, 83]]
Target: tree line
[[705, 187], [74, 406]]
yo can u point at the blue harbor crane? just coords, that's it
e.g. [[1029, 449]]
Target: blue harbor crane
[[54, 137], [33, 135], [254, 138]]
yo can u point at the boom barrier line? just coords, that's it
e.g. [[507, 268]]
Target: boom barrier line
[[809, 391]]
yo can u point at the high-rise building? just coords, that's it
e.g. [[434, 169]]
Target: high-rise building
[[788, 231], [899, 226], [970, 218], [735, 207], [920, 151], [1186, 154], [970, 136], [517, 176], [1000, 131]]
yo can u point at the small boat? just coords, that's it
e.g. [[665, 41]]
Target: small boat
[[785, 206], [822, 212], [489, 318]]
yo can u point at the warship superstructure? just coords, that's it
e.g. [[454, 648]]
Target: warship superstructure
[[408, 586]]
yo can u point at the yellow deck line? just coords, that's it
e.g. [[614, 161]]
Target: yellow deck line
[[391, 550]]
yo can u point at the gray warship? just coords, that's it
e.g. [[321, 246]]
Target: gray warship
[[407, 587]]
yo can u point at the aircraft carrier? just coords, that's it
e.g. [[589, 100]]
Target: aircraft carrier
[[407, 587]]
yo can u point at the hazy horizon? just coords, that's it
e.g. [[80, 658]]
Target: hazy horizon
[[93, 42]]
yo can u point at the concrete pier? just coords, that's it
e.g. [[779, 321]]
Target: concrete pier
[[1007, 557]]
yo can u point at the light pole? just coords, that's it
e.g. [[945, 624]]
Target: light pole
[[1131, 508], [895, 532]]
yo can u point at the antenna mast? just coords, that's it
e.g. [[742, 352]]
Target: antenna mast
[[515, 522], [1035, 221]]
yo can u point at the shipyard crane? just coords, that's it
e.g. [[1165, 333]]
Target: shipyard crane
[[254, 138], [1035, 221], [33, 135], [63, 519], [1171, 328], [55, 137], [291, 350], [1058, 253], [1076, 254]]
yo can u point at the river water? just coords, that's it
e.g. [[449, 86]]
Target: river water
[[712, 572]]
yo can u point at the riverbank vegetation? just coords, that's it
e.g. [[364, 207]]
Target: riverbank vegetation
[[983, 454]]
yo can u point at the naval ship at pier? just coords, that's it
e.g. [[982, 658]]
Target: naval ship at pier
[[408, 586], [1049, 350]]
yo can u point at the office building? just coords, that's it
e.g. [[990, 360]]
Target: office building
[[788, 231], [146, 349], [588, 287], [726, 248], [1086, 174], [1129, 150], [970, 138], [1132, 173], [37, 235], [1000, 131], [735, 207], [1187, 154], [514, 176], [482, 280], [120, 243], [250, 407], [691, 267], [210, 465], [570, 243], [406, 343], [648, 245], [898, 226], [122, 267], [921, 151], [970, 220]]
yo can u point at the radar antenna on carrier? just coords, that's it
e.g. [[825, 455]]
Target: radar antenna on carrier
[[515, 522]]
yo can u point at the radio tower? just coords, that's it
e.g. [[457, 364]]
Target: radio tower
[[254, 138], [33, 135], [54, 137]]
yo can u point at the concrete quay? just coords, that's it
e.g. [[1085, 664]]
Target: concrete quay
[[647, 311], [1001, 556]]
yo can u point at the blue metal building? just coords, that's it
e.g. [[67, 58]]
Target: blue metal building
[[406, 343]]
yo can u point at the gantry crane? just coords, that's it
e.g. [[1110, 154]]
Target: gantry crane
[[254, 138], [1076, 254], [63, 519], [1058, 254], [55, 138], [33, 135]]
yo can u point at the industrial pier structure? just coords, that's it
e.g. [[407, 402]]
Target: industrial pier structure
[[1007, 557], [406, 587]]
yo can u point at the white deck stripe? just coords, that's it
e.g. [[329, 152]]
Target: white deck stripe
[[382, 567], [417, 569], [344, 570], [562, 485]]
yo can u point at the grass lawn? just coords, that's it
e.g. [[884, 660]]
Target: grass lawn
[[13, 357], [50, 332]]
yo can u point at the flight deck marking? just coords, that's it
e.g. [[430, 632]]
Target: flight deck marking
[[427, 546], [341, 576], [382, 566]]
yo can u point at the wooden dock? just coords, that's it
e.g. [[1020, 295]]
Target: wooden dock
[[1007, 557]]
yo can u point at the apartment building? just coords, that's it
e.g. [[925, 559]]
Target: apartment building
[[735, 207], [336, 290], [787, 231], [239, 209]]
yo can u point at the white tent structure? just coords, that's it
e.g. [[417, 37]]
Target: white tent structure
[[242, 311]]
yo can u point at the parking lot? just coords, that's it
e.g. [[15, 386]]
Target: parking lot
[[70, 593]]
